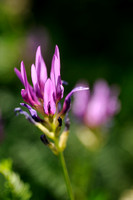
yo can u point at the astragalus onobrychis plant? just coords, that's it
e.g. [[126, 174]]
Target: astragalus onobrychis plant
[[43, 103]]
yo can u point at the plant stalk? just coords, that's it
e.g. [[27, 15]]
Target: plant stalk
[[66, 176]]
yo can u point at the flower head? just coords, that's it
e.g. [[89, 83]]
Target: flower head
[[44, 96], [45, 92], [98, 107]]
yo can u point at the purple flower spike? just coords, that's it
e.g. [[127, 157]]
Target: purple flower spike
[[67, 102], [45, 94], [43, 99]]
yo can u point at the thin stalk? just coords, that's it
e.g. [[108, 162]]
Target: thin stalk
[[66, 176]]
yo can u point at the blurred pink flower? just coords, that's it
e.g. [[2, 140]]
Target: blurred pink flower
[[98, 107]]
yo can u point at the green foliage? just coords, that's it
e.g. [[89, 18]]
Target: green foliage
[[14, 188]]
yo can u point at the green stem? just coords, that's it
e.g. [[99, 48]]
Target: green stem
[[66, 177]]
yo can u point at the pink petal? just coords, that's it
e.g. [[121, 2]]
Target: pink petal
[[18, 73], [27, 97], [96, 112], [52, 74], [34, 76], [55, 75], [56, 64], [40, 68], [33, 96], [24, 75], [57, 53], [27, 93], [35, 81], [49, 104]]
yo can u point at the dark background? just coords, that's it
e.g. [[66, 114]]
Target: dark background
[[95, 39]]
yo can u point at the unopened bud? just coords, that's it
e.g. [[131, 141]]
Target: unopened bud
[[49, 144], [67, 123], [63, 140], [44, 139], [58, 128], [60, 121]]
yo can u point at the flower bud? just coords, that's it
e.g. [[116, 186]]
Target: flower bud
[[63, 140]]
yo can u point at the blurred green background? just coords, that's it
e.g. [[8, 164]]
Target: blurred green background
[[95, 39]]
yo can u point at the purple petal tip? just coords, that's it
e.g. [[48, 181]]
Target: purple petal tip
[[57, 51], [67, 102]]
